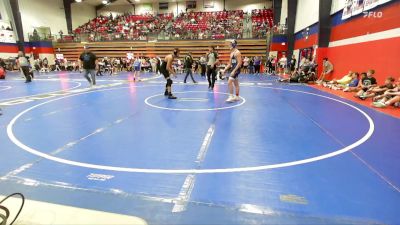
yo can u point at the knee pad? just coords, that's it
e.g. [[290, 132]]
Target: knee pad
[[169, 83]]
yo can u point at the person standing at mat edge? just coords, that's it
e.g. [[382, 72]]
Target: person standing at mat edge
[[235, 63], [23, 64], [212, 60], [188, 67], [167, 70], [89, 61]]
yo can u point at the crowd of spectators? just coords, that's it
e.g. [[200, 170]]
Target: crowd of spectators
[[126, 26], [186, 25], [209, 25], [262, 20]]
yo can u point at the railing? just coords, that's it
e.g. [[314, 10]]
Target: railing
[[41, 37], [157, 36]]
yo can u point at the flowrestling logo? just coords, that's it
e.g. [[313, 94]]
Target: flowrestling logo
[[373, 14]]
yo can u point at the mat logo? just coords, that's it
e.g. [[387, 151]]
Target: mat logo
[[293, 199], [373, 14], [99, 177]]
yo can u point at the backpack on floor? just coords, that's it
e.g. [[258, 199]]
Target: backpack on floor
[[2, 73]]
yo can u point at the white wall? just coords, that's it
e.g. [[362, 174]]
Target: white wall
[[307, 14], [81, 13], [284, 11], [245, 5], [3, 12], [46, 13], [337, 5]]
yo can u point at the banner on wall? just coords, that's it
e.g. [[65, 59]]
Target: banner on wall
[[347, 9], [370, 4], [383, 1], [357, 7], [7, 36]]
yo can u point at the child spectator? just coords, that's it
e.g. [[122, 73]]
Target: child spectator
[[352, 84], [367, 83], [376, 91], [346, 79], [358, 87], [389, 97]]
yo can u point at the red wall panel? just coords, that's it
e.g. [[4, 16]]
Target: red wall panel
[[305, 43], [278, 47]]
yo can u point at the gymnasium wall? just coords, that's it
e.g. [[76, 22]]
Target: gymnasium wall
[[279, 43], [307, 14], [120, 6], [361, 43], [337, 5], [306, 38], [8, 47], [3, 12], [42, 13], [284, 11], [41, 48], [81, 13]]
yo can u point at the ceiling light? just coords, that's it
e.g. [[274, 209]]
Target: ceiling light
[[105, 2], [78, 0], [137, 0]]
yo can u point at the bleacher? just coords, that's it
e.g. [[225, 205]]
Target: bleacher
[[262, 20], [198, 48], [191, 25]]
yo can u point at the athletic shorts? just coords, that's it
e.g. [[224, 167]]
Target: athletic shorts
[[137, 68], [164, 71], [236, 75]]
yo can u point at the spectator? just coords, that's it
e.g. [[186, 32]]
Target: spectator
[[2, 63], [367, 83], [389, 97], [282, 64], [57, 65], [353, 82], [326, 70], [89, 61], [380, 90], [293, 63], [346, 79], [212, 61], [188, 67], [203, 65], [257, 64], [23, 64], [358, 87], [246, 62], [137, 64], [251, 65]]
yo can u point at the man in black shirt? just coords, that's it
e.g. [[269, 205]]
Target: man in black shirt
[[188, 67], [89, 61]]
